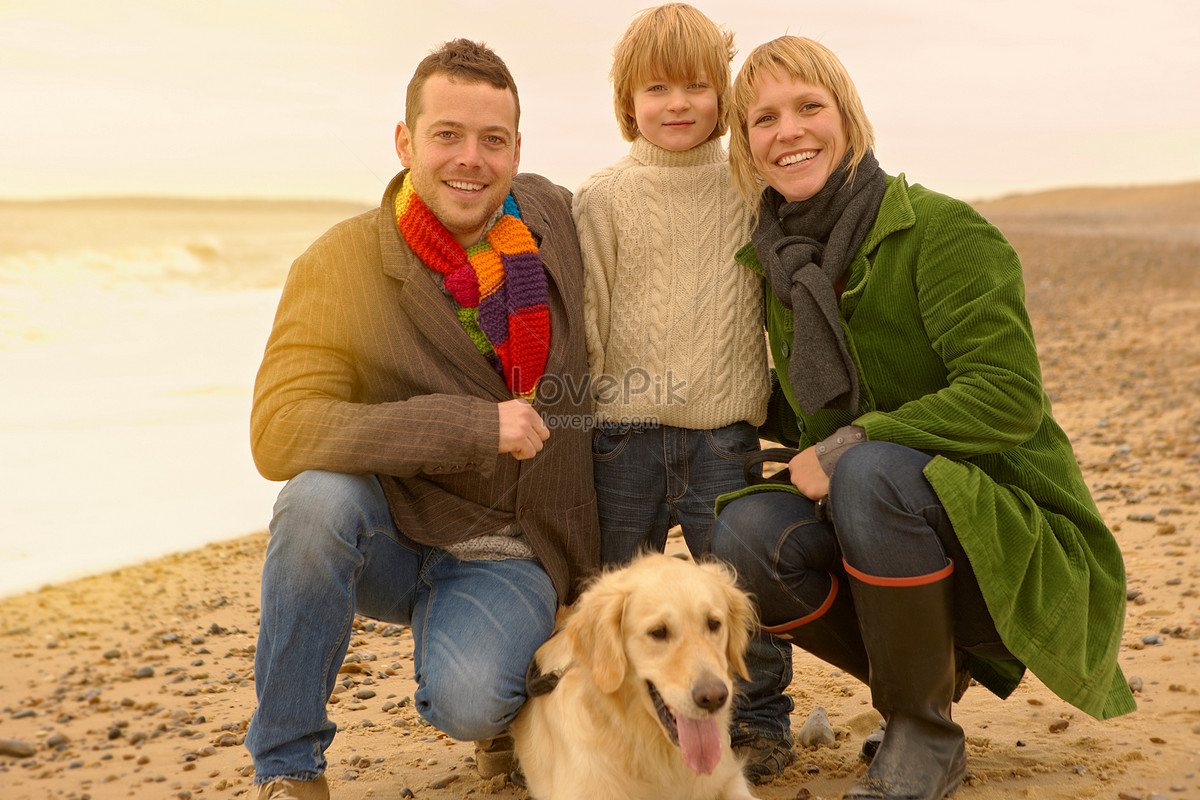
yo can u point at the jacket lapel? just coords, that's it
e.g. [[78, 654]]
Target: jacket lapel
[[428, 309]]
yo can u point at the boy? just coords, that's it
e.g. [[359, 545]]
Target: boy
[[674, 325], [674, 328]]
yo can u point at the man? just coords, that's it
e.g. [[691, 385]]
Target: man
[[404, 395]]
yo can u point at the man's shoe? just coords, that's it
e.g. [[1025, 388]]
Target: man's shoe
[[289, 789], [495, 756], [763, 759]]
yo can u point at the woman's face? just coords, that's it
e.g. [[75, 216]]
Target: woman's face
[[797, 138]]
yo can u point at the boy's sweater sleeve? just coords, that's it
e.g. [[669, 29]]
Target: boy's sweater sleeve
[[592, 210]]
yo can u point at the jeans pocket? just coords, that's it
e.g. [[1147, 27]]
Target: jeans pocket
[[733, 442], [608, 444]]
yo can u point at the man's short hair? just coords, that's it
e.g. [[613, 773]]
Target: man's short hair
[[461, 60], [673, 42]]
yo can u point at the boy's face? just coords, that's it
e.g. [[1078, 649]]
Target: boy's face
[[675, 115]]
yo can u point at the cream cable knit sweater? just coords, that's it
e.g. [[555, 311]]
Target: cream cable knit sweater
[[674, 324]]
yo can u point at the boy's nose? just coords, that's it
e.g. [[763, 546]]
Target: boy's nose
[[678, 100]]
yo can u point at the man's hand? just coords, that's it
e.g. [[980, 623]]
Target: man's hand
[[522, 431], [807, 475]]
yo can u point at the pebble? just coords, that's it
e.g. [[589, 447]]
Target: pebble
[[1135, 684], [870, 745], [16, 748], [444, 781], [1152, 639], [816, 730]]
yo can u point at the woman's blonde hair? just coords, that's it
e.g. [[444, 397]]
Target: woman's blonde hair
[[673, 42], [801, 59]]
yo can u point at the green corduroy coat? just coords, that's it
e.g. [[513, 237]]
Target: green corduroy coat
[[934, 317]]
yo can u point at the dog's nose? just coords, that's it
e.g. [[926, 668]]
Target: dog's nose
[[710, 693]]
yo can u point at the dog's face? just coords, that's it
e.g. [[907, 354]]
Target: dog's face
[[672, 632]]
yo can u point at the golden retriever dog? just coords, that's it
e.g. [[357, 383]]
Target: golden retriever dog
[[641, 708]]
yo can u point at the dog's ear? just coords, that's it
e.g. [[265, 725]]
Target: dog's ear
[[743, 620], [595, 631]]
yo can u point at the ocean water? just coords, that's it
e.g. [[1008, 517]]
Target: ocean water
[[130, 334]]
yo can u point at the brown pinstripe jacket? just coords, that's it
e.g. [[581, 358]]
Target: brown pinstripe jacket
[[368, 371]]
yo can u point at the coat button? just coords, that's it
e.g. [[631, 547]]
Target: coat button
[[785, 349]]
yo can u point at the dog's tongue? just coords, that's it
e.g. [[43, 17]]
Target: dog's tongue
[[700, 743]]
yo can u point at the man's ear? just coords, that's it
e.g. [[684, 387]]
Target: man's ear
[[517, 154], [404, 144]]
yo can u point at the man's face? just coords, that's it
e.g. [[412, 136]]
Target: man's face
[[462, 152]]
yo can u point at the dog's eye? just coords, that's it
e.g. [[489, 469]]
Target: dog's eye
[[714, 624], [660, 633]]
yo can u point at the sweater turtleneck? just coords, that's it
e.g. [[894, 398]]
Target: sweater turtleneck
[[651, 155]]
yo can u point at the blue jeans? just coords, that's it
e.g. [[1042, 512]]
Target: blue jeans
[[887, 522], [334, 552], [651, 477]]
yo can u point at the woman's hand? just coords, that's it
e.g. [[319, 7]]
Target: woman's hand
[[807, 475]]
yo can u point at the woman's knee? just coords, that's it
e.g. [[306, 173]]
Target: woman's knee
[[738, 533]]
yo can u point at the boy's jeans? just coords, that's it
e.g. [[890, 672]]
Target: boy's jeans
[[334, 552], [650, 477]]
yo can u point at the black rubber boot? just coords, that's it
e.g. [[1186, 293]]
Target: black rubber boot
[[830, 633], [909, 638]]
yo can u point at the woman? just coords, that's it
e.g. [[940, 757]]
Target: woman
[[961, 537]]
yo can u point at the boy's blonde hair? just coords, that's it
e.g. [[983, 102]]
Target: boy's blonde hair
[[673, 42], [805, 60]]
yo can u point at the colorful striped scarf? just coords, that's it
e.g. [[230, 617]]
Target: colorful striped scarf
[[499, 285]]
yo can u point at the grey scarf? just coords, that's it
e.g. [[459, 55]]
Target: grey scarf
[[805, 248]]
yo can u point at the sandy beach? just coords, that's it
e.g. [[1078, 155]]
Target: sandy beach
[[139, 683]]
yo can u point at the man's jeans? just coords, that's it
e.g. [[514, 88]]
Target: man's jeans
[[650, 477], [887, 521], [334, 552]]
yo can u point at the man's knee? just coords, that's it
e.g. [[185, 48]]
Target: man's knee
[[469, 709], [319, 512]]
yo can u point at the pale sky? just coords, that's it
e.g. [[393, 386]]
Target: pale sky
[[237, 98]]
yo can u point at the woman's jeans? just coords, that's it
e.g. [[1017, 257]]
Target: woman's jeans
[[651, 477], [334, 552], [887, 522]]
